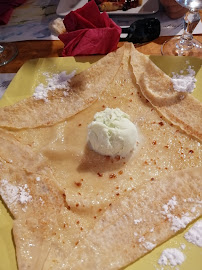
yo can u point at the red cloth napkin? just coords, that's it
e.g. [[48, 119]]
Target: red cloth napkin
[[6, 9], [89, 32]]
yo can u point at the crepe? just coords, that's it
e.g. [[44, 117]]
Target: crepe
[[181, 109], [143, 213], [84, 90], [99, 196], [41, 216]]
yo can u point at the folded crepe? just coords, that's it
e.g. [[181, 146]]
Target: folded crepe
[[83, 91], [74, 208]]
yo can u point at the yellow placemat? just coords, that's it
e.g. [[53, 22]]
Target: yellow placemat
[[23, 85], [31, 74], [175, 64]]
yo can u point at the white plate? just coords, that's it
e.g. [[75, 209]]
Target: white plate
[[147, 7]]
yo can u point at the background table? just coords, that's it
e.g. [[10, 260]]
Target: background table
[[48, 48]]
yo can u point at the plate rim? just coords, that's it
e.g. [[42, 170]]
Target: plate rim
[[62, 3]]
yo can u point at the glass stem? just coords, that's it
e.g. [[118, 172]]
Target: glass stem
[[191, 19], [1, 48]]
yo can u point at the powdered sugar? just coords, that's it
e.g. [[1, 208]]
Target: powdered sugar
[[141, 239], [191, 200], [12, 194], [8, 191], [184, 83], [169, 206], [183, 246], [41, 200], [171, 256], [24, 194], [174, 256], [193, 210], [54, 81], [148, 245], [177, 223], [194, 235], [136, 221]]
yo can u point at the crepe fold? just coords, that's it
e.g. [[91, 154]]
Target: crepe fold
[[75, 209], [181, 109], [85, 89]]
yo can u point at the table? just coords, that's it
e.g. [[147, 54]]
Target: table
[[47, 48]]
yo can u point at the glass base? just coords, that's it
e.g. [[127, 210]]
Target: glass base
[[175, 47], [8, 52]]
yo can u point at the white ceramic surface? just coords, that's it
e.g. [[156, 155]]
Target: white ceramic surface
[[147, 7]]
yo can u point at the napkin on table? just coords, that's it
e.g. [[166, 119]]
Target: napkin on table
[[6, 9], [89, 32]]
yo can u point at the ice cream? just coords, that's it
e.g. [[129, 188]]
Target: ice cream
[[112, 133]]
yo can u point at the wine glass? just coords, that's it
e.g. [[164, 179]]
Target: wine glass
[[8, 52], [186, 45]]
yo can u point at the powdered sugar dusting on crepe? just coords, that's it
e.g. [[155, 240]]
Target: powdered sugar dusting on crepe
[[149, 245], [14, 194], [54, 82], [177, 223]]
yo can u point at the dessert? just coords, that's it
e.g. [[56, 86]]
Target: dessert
[[86, 210], [105, 5]]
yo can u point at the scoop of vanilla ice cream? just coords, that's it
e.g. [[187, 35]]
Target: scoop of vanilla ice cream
[[112, 133]]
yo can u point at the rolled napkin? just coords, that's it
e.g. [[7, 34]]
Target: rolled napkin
[[89, 32], [6, 9]]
